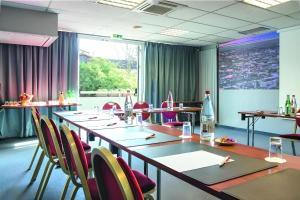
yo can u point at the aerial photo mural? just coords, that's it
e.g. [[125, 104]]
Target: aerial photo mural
[[250, 63]]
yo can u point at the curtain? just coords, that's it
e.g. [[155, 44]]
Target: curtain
[[40, 71], [208, 73], [170, 67]]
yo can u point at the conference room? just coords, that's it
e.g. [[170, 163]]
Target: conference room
[[149, 99]]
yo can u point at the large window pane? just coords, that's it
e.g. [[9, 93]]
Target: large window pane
[[107, 70]]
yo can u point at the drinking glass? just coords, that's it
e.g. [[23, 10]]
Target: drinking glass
[[275, 150], [180, 105], [139, 119], [186, 130], [150, 106]]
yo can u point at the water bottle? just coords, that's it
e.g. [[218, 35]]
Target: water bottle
[[128, 108], [170, 101], [288, 105], [207, 119], [294, 105]]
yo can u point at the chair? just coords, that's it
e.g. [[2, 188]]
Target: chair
[[38, 147], [109, 105], [142, 105], [54, 153], [169, 118], [115, 179], [293, 136], [77, 164]]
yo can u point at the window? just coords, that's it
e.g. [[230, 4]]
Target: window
[[107, 70]]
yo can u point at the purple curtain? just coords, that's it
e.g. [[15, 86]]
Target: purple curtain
[[40, 71]]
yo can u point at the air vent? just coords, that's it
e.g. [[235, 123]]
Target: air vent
[[254, 30], [159, 8]]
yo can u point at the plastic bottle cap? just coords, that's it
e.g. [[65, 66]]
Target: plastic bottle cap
[[207, 92]]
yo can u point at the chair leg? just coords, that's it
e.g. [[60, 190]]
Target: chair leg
[[33, 158], [45, 183], [74, 192], [37, 167], [42, 180], [293, 148], [63, 194], [99, 142]]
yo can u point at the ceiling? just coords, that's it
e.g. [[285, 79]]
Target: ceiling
[[208, 21]]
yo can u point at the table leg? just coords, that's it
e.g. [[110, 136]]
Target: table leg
[[253, 131], [158, 183], [129, 159], [146, 168], [248, 131], [193, 122]]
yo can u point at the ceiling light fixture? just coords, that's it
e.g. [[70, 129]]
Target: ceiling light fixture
[[129, 4], [265, 3], [173, 32]]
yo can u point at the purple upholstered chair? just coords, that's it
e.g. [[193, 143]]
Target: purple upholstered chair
[[169, 118]]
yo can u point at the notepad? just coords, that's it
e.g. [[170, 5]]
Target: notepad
[[191, 160]]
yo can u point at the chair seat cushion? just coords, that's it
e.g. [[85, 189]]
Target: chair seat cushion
[[291, 136], [172, 124], [93, 189], [85, 146], [146, 184]]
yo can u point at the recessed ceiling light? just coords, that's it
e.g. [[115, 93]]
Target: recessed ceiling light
[[173, 32], [265, 3], [137, 27], [130, 4]]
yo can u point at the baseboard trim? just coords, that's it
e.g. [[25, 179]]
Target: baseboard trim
[[243, 129]]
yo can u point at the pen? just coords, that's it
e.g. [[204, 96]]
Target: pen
[[150, 136], [93, 117], [226, 159], [111, 124]]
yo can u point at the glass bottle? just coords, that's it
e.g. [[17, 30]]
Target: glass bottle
[[170, 100], [294, 105], [207, 119], [287, 105], [61, 98], [128, 107]]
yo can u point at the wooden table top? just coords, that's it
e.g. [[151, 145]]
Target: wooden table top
[[292, 161], [160, 110], [269, 114], [38, 104]]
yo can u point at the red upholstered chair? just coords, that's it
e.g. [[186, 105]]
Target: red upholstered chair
[[293, 136], [142, 105], [38, 147], [169, 118], [115, 179], [78, 164], [109, 105]]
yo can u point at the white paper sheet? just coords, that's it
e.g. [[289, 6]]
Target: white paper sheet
[[191, 160]]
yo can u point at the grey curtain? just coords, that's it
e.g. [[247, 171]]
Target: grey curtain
[[208, 74], [170, 67], [40, 71]]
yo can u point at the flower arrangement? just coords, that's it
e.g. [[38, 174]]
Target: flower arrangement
[[25, 99]]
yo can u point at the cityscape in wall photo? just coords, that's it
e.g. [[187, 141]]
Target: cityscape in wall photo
[[250, 63]]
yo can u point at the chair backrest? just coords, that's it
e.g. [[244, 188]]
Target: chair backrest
[[54, 145], [141, 105], [37, 127], [111, 180], [109, 105], [297, 124], [168, 115], [76, 159]]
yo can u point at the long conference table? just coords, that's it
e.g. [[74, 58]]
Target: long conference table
[[196, 161]]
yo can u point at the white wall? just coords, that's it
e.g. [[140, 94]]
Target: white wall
[[289, 59], [233, 101]]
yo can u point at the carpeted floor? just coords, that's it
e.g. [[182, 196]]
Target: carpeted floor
[[15, 156]]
